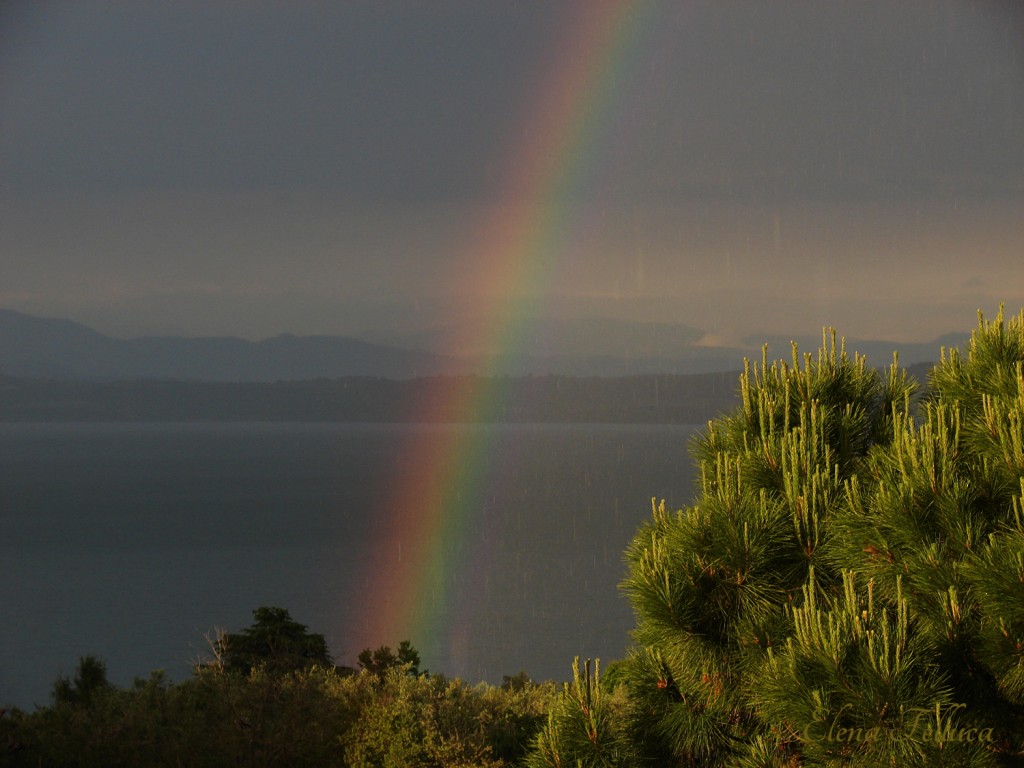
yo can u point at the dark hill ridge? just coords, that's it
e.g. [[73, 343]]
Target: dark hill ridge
[[660, 399], [43, 348], [579, 337], [664, 399], [61, 349], [48, 347]]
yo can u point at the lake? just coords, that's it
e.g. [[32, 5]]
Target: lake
[[133, 541]]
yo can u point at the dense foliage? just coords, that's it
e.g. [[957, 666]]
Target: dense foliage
[[848, 589], [309, 716]]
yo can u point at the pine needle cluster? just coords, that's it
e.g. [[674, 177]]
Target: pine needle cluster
[[848, 587]]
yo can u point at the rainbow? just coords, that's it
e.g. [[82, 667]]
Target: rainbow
[[514, 254]]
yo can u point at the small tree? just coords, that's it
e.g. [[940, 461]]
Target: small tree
[[90, 681], [583, 726], [274, 641], [378, 662], [517, 682]]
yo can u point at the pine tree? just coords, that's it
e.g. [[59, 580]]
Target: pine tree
[[848, 588], [582, 726]]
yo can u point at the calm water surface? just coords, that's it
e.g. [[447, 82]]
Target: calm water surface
[[132, 542]]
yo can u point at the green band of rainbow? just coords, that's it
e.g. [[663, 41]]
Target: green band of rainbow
[[514, 255]]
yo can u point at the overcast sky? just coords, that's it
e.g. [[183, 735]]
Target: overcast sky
[[252, 168]]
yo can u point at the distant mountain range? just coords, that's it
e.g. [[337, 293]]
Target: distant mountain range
[[45, 348], [61, 349]]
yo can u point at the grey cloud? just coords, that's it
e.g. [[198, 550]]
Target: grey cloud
[[421, 101]]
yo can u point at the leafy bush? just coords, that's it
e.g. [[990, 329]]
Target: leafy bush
[[309, 717]]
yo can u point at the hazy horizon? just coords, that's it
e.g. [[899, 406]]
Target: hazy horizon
[[392, 169]]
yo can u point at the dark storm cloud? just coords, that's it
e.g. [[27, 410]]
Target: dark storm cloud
[[375, 99], [832, 99], [428, 100]]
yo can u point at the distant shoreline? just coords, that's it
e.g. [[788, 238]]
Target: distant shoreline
[[669, 398]]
